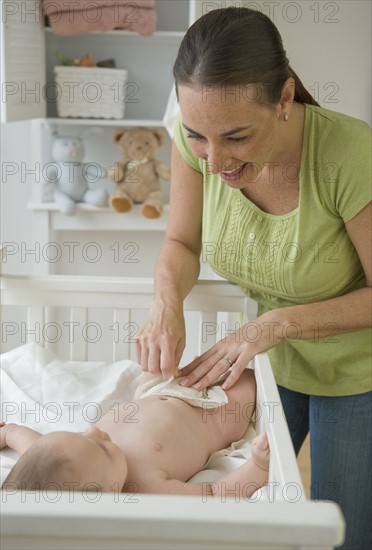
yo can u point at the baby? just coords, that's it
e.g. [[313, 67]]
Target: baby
[[153, 444]]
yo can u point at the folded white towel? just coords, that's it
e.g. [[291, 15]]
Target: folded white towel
[[213, 396]]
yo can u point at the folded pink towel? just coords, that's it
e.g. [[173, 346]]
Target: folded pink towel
[[68, 17]]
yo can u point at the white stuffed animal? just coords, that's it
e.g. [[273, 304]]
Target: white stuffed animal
[[70, 177]]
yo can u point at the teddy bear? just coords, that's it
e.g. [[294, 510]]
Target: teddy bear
[[68, 178], [137, 177]]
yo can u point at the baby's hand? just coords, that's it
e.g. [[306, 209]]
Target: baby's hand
[[17, 437], [2, 435], [261, 451]]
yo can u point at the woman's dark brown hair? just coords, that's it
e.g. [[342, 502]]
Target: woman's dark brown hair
[[237, 47]]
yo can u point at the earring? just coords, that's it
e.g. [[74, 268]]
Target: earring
[[285, 117]]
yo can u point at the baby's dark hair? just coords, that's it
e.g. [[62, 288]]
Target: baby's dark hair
[[237, 46], [39, 470]]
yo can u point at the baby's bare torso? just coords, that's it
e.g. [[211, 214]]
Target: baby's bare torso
[[165, 437]]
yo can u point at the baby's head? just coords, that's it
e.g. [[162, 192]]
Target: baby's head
[[67, 461]]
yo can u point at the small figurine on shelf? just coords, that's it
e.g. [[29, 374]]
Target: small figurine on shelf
[[137, 178], [68, 178], [84, 61]]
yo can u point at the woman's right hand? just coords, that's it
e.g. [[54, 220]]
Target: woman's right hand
[[161, 340]]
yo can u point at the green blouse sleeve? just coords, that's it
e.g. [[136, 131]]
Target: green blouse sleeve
[[347, 167]]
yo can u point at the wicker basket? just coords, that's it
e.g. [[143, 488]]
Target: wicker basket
[[90, 92]]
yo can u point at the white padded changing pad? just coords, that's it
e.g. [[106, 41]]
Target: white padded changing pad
[[46, 393]]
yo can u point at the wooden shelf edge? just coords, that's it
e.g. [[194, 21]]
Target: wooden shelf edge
[[122, 32], [127, 122], [90, 218], [51, 206]]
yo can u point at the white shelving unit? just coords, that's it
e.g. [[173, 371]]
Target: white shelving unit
[[28, 59]]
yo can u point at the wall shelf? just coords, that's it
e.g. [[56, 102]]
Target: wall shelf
[[102, 122], [121, 33], [90, 218]]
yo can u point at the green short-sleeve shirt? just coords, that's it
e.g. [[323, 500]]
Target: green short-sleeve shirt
[[301, 257]]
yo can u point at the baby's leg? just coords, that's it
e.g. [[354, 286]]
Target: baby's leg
[[248, 478]]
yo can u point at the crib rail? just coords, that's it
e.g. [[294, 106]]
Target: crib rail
[[211, 299], [115, 292], [167, 522]]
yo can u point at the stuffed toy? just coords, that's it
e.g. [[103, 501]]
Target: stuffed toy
[[137, 178], [68, 178]]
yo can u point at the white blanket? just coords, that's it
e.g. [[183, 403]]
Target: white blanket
[[48, 394]]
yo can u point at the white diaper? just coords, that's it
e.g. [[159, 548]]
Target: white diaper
[[209, 397]]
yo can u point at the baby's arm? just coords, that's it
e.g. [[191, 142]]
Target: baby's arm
[[18, 438], [240, 483]]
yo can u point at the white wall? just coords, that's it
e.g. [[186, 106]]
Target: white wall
[[330, 49], [329, 46]]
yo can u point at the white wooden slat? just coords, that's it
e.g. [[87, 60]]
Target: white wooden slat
[[208, 330], [78, 336], [250, 309], [34, 330], [215, 326], [229, 322], [123, 333]]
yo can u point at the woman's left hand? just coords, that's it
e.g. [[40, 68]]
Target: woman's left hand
[[232, 352]]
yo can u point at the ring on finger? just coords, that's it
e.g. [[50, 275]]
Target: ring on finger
[[228, 360]]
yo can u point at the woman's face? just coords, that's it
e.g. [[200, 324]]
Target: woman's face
[[237, 136]]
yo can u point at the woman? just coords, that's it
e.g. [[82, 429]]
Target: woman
[[277, 190]]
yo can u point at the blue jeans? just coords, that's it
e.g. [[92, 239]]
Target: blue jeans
[[341, 448]]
